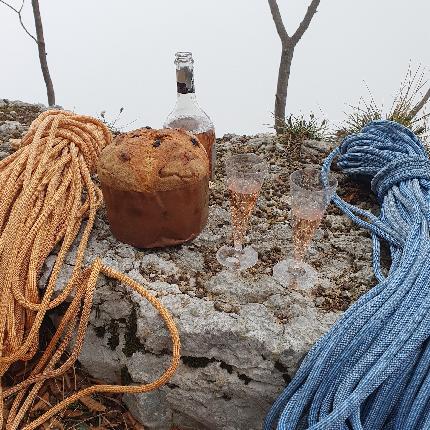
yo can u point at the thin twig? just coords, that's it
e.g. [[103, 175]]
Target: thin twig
[[18, 12], [43, 400], [421, 104], [125, 422], [108, 422], [306, 21], [103, 415], [74, 377]]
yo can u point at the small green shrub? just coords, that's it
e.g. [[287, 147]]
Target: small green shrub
[[299, 128], [296, 129]]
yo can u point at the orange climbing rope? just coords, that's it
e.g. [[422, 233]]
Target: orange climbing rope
[[47, 197]]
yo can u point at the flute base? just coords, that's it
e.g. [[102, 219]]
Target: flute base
[[295, 273], [229, 257]]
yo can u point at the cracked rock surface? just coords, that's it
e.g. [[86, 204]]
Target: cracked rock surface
[[243, 336]]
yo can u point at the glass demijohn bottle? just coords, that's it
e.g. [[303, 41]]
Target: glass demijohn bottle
[[187, 114]]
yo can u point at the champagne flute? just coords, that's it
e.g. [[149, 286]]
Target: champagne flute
[[245, 175], [310, 197]]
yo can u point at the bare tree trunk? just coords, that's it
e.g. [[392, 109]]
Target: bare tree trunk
[[282, 87], [421, 104], [288, 46], [42, 52], [40, 41]]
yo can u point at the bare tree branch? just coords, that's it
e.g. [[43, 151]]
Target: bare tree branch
[[306, 21], [277, 18], [40, 41], [420, 104], [9, 6], [18, 12]]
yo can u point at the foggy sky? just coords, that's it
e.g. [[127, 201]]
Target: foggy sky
[[104, 55]]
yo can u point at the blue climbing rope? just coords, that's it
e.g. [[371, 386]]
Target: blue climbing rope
[[371, 371]]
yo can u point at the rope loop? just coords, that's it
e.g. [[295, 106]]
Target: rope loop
[[84, 132], [403, 169], [386, 152]]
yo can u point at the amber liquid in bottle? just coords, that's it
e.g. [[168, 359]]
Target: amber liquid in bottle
[[187, 114]]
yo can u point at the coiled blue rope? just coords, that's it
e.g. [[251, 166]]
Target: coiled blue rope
[[371, 371]]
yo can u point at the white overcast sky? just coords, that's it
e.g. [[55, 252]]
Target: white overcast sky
[[104, 55]]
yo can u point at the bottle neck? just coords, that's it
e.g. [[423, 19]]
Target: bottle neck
[[185, 87], [184, 101], [185, 80]]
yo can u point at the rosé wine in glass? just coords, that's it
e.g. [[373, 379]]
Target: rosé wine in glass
[[309, 200], [245, 176]]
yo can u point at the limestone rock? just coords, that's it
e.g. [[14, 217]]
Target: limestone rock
[[15, 118], [11, 128], [243, 336], [146, 408]]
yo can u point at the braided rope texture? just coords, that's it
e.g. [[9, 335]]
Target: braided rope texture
[[371, 371], [47, 197]]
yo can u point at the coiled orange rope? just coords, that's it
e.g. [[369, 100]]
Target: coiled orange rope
[[46, 197]]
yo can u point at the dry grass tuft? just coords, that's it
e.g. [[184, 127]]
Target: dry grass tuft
[[403, 109]]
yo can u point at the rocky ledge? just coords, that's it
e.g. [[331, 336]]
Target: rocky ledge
[[243, 335]]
